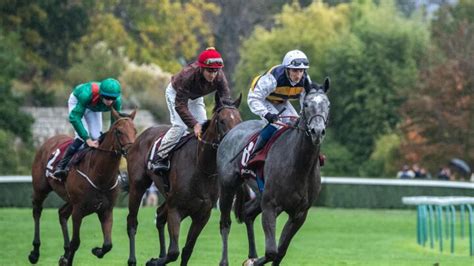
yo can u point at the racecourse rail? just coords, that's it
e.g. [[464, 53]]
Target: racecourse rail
[[327, 180], [337, 192]]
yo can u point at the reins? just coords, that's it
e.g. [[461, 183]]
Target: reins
[[214, 144], [115, 152]]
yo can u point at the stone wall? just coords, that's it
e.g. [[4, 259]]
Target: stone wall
[[50, 121]]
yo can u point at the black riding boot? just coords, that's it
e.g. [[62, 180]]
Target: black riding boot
[[159, 165], [62, 169]]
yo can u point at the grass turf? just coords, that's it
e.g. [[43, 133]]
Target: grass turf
[[328, 237]]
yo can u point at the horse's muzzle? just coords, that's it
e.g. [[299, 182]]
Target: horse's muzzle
[[317, 135]]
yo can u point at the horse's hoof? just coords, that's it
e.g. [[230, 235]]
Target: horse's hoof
[[132, 262], [249, 262], [33, 257], [63, 261], [98, 252], [154, 262]]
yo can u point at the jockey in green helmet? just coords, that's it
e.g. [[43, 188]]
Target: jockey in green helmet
[[86, 104]]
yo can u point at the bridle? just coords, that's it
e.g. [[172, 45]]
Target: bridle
[[307, 121], [123, 147], [220, 132]]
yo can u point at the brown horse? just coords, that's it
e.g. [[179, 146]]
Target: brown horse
[[91, 186], [193, 184]]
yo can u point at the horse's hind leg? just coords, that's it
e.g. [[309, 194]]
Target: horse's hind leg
[[38, 199], [64, 214], [174, 222], [292, 226], [225, 205], [195, 230], [161, 217], [106, 221]]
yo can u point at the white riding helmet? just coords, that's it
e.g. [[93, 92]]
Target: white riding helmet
[[295, 59]]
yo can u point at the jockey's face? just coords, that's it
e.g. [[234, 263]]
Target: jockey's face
[[210, 74], [108, 102], [295, 74]]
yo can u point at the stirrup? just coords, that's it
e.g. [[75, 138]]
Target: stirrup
[[61, 173], [162, 165]]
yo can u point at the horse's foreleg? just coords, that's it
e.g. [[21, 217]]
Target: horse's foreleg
[[137, 189], [64, 214], [174, 222], [76, 239], [292, 226], [106, 221], [38, 199], [269, 223], [252, 210], [225, 205], [161, 216], [195, 229]]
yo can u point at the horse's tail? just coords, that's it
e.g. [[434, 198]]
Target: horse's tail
[[242, 195]]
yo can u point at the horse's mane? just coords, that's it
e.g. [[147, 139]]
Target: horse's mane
[[205, 125]]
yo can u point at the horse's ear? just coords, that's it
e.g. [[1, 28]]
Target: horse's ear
[[327, 82], [115, 114], [217, 99], [237, 102], [132, 115]]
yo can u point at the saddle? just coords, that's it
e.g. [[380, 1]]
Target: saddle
[[55, 157], [153, 151]]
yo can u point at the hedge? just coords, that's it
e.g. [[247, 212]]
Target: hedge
[[335, 193]]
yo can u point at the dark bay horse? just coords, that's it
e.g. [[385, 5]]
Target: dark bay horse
[[193, 183], [291, 173], [91, 186]]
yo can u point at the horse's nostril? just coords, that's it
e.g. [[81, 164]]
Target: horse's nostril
[[313, 131], [323, 132]]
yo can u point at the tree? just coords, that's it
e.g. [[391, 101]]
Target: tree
[[439, 116], [373, 65], [167, 31], [47, 29]]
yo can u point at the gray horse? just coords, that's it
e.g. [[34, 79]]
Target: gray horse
[[292, 178]]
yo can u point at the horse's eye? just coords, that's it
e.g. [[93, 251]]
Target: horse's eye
[[305, 104]]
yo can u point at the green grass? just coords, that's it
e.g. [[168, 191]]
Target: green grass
[[329, 237]]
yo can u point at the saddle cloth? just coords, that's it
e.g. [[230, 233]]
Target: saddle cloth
[[55, 157], [153, 152], [252, 166]]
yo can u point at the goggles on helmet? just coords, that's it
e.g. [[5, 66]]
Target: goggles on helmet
[[299, 62], [211, 70], [216, 61], [110, 98]]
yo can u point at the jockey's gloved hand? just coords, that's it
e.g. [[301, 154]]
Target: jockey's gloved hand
[[271, 117]]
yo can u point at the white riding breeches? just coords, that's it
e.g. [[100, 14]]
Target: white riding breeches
[[178, 127], [91, 120]]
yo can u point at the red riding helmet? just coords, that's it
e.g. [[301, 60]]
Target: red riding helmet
[[210, 58]]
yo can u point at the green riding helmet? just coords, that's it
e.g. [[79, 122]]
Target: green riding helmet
[[110, 88]]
